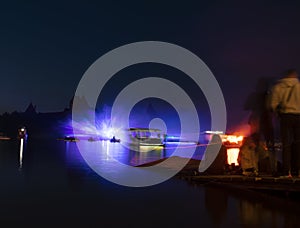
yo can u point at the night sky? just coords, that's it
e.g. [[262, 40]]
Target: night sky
[[45, 48]]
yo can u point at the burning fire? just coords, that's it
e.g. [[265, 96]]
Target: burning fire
[[232, 139], [232, 156], [233, 142]]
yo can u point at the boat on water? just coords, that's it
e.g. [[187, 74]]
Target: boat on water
[[70, 139], [115, 140], [146, 137], [92, 139]]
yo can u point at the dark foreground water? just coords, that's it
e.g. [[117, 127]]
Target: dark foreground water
[[51, 186]]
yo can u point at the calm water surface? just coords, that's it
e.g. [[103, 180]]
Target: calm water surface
[[49, 184]]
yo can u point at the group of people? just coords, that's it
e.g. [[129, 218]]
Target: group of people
[[283, 101]]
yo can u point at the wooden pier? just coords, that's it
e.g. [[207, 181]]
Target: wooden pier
[[262, 183]]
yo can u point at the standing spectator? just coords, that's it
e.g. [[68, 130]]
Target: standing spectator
[[261, 124], [285, 100], [260, 119]]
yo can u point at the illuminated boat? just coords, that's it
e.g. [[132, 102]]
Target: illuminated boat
[[22, 133], [70, 139], [145, 137]]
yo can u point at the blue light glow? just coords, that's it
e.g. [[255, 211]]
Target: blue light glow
[[101, 130]]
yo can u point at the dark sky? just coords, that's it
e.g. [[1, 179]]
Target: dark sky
[[46, 47]]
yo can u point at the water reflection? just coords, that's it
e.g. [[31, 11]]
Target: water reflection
[[226, 208], [21, 154], [254, 213], [222, 207], [216, 203], [107, 151], [57, 168], [103, 151]]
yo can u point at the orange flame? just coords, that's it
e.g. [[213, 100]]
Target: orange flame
[[232, 139], [233, 142], [232, 156]]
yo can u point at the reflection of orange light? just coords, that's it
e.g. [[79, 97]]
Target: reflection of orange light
[[233, 139], [232, 156]]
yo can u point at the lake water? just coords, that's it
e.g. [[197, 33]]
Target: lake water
[[51, 185]]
